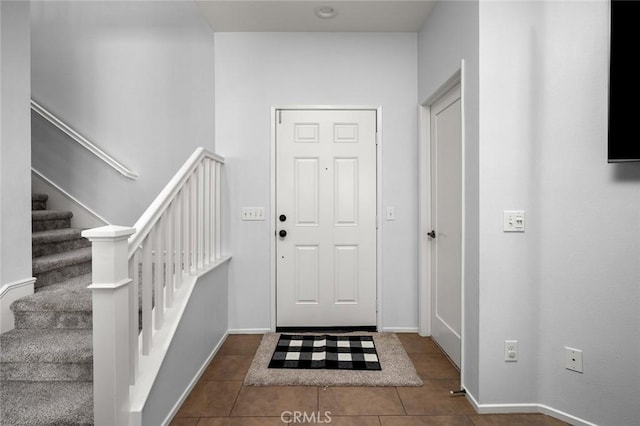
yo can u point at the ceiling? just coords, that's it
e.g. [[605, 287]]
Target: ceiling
[[299, 15]]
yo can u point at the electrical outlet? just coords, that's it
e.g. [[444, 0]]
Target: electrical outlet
[[513, 221], [573, 359], [511, 350], [253, 213], [391, 213]]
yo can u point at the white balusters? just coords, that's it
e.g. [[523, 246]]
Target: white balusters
[[206, 252], [218, 212], [179, 235], [147, 291], [178, 258], [193, 221], [134, 316], [168, 258], [158, 288]]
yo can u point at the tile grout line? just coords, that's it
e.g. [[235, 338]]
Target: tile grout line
[[401, 401]]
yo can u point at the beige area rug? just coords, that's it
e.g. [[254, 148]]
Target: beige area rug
[[397, 368]]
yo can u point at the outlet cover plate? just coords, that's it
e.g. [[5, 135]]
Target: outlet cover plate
[[511, 350], [573, 359]]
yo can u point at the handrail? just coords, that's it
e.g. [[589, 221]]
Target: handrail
[[157, 208], [144, 281], [115, 164]]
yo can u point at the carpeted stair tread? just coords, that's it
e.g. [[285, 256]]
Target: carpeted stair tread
[[39, 197], [47, 403], [47, 345], [53, 241], [61, 260], [63, 305], [63, 298], [38, 215], [55, 236]]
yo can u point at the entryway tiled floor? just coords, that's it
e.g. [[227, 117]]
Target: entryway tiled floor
[[220, 398]]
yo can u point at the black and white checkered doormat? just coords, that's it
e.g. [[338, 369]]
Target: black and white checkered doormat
[[328, 352]]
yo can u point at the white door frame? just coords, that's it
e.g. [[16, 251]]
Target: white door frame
[[272, 227], [424, 185]]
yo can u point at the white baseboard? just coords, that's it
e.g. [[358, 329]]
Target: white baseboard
[[9, 293], [400, 329], [193, 382], [526, 408], [249, 331]]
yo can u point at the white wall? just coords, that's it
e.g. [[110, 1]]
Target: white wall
[[450, 35], [255, 71], [15, 157], [137, 79], [572, 278]]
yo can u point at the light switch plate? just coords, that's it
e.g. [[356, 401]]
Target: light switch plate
[[513, 221], [253, 213]]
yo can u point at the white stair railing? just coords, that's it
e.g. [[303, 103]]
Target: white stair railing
[[175, 240], [84, 142]]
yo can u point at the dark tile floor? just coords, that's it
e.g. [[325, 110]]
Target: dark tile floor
[[220, 398]]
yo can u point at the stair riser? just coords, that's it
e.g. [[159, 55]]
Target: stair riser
[[61, 274], [46, 372], [41, 320], [52, 248], [48, 225], [38, 205]]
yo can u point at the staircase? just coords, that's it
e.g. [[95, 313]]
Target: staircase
[[46, 362]]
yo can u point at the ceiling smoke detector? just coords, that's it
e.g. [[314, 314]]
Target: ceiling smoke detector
[[326, 12]]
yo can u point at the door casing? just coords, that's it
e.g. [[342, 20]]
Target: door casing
[[425, 199], [273, 224]]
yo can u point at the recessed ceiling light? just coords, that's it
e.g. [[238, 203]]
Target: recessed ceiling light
[[326, 12]]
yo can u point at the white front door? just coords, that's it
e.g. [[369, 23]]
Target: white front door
[[326, 218], [446, 216]]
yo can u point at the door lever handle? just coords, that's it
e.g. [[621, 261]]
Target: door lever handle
[[431, 234]]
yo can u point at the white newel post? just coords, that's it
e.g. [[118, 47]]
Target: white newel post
[[110, 290]]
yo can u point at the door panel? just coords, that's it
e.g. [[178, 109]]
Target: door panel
[[446, 262], [326, 186]]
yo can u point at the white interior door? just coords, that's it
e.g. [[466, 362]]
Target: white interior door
[[326, 218], [446, 216]]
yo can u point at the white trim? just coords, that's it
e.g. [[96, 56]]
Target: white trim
[[193, 382], [526, 408], [378, 110], [70, 197], [400, 329], [424, 212], [9, 293], [249, 331], [84, 142], [379, 233], [273, 294], [6, 288], [424, 202]]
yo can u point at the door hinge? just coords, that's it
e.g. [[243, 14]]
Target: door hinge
[[279, 116]]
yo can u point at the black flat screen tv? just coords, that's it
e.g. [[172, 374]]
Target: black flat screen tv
[[624, 82]]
